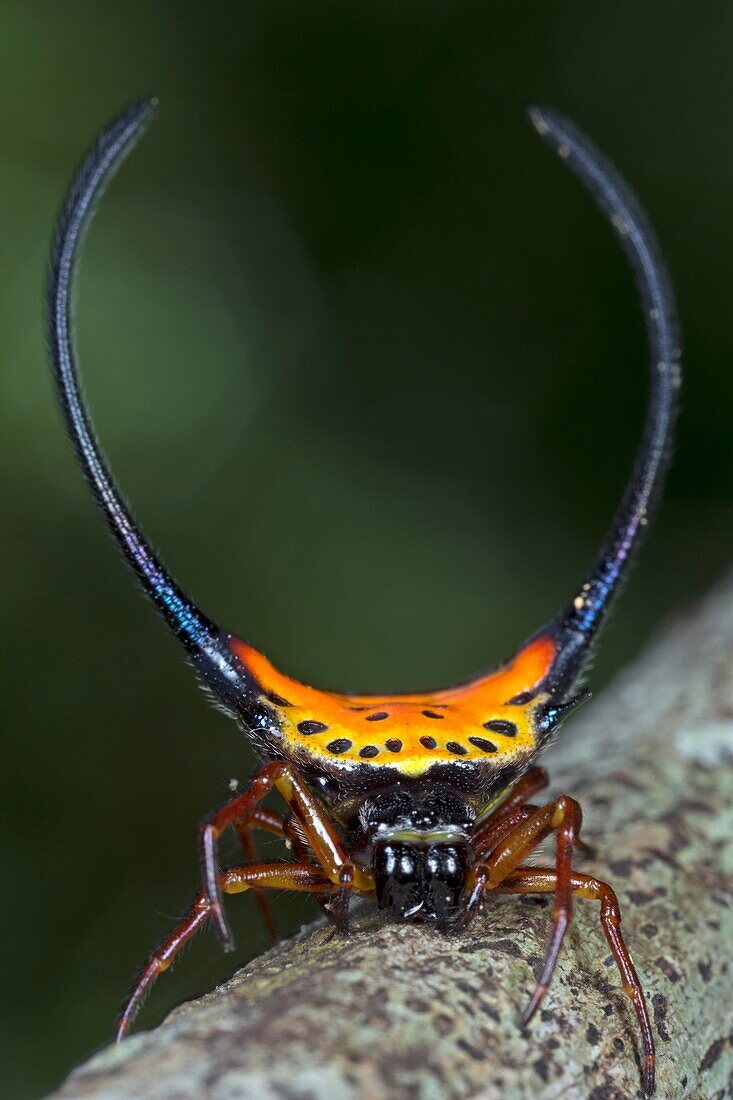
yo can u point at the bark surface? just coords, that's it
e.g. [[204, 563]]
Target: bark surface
[[399, 1012]]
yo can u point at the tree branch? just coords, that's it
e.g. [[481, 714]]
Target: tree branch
[[399, 1011]]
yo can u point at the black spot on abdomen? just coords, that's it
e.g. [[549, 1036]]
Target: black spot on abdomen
[[341, 744], [483, 743], [309, 727], [520, 700], [500, 725]]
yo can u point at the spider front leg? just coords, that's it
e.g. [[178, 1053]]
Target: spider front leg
[[511, 811], [334, 906], [490, 831], [320, 835], [539, 880], [283, 876], [564, 816], [239, 810], [269, 822], [534, 780]]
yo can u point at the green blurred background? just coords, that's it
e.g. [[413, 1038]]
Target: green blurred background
[[370, 366]]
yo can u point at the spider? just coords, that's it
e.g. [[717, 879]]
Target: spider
[[422, 801]]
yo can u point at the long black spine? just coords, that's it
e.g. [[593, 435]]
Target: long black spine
[[578, 624], [204, 642]]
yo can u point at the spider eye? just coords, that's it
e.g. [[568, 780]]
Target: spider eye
[[395, 865]]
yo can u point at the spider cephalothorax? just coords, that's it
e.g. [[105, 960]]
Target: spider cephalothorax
[[420, 800]]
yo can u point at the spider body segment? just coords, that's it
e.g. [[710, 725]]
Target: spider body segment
[[423, 800]]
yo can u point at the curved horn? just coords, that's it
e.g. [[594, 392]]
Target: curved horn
[[578, 624], [204, 642]]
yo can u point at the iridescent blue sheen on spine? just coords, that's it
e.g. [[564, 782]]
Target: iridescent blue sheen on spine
[[578, 624], [204, 642]]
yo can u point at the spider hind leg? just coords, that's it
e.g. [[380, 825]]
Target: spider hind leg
[[541, 880], [258, 876]]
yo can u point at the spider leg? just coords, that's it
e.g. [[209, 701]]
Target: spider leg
[[270, 822], [264, 819], [563, 816], [491, 834], [540, 880], [535, 779], [283, 876], [239, 808], [491, 829], [320, 834], [500, 830], [334, 906]]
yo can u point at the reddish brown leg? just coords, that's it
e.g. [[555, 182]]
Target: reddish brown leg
[[535, 779], [270, 822], [283, 876], [492, 829], [506, 825], [239, 808], [564, 816], [501, 829], [267, 820], [321, 837], [335, 906], [540, 880], [320, 834]]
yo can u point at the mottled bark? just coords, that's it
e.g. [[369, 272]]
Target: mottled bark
[[399, 1012]]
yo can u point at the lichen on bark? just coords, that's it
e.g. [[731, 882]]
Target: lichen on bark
[[401, 1012]]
